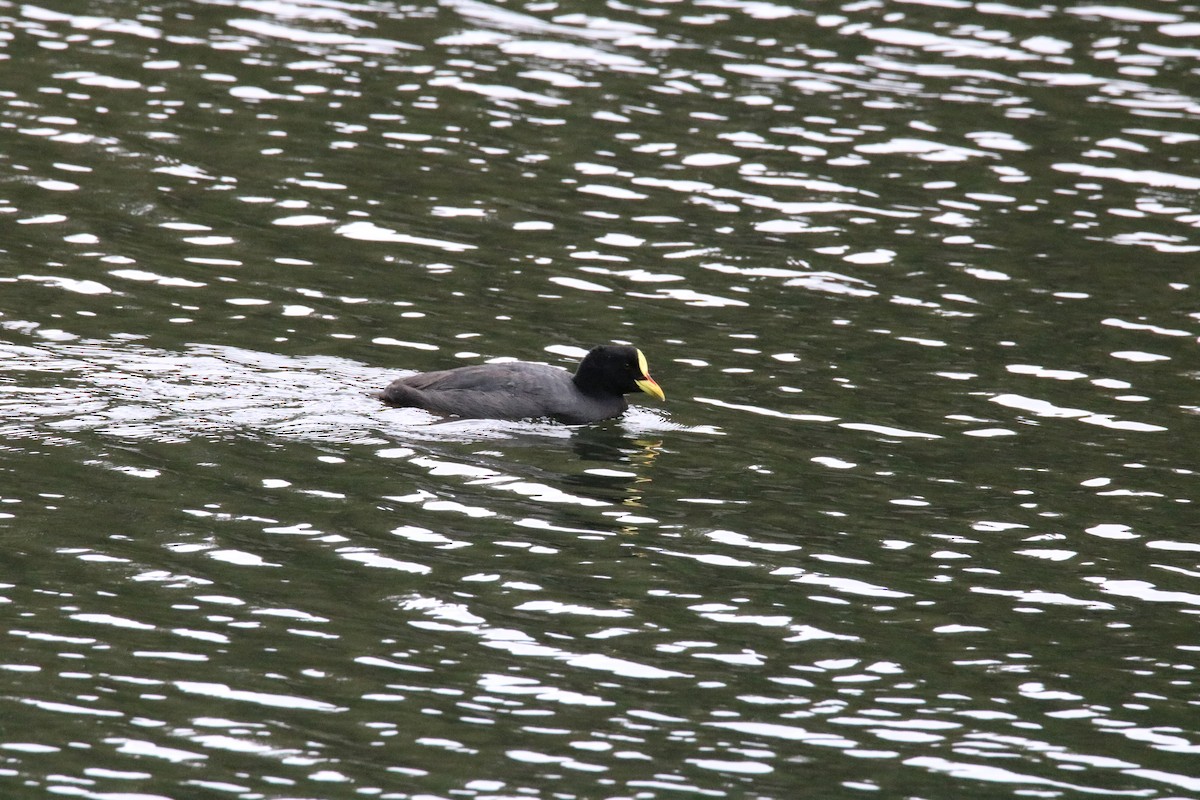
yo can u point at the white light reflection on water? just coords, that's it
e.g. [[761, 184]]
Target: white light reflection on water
[[223, 692]]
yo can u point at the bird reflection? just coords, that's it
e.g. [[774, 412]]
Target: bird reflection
[[633, 460]]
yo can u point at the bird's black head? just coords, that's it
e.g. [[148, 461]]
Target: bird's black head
[[615, 369]]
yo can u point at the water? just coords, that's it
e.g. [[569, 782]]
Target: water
[[916, 519]]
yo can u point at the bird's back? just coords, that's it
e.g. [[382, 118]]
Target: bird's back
[[511, 390]]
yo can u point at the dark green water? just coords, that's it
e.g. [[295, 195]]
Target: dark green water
[[916, 520]]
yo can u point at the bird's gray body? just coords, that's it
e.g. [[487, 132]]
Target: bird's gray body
[[510, 390]]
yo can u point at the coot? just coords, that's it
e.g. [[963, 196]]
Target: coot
[[519, 390]]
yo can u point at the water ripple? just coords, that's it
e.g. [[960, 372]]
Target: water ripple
[[919, 273]]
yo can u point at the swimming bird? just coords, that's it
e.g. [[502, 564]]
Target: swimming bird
[[520, 390]]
